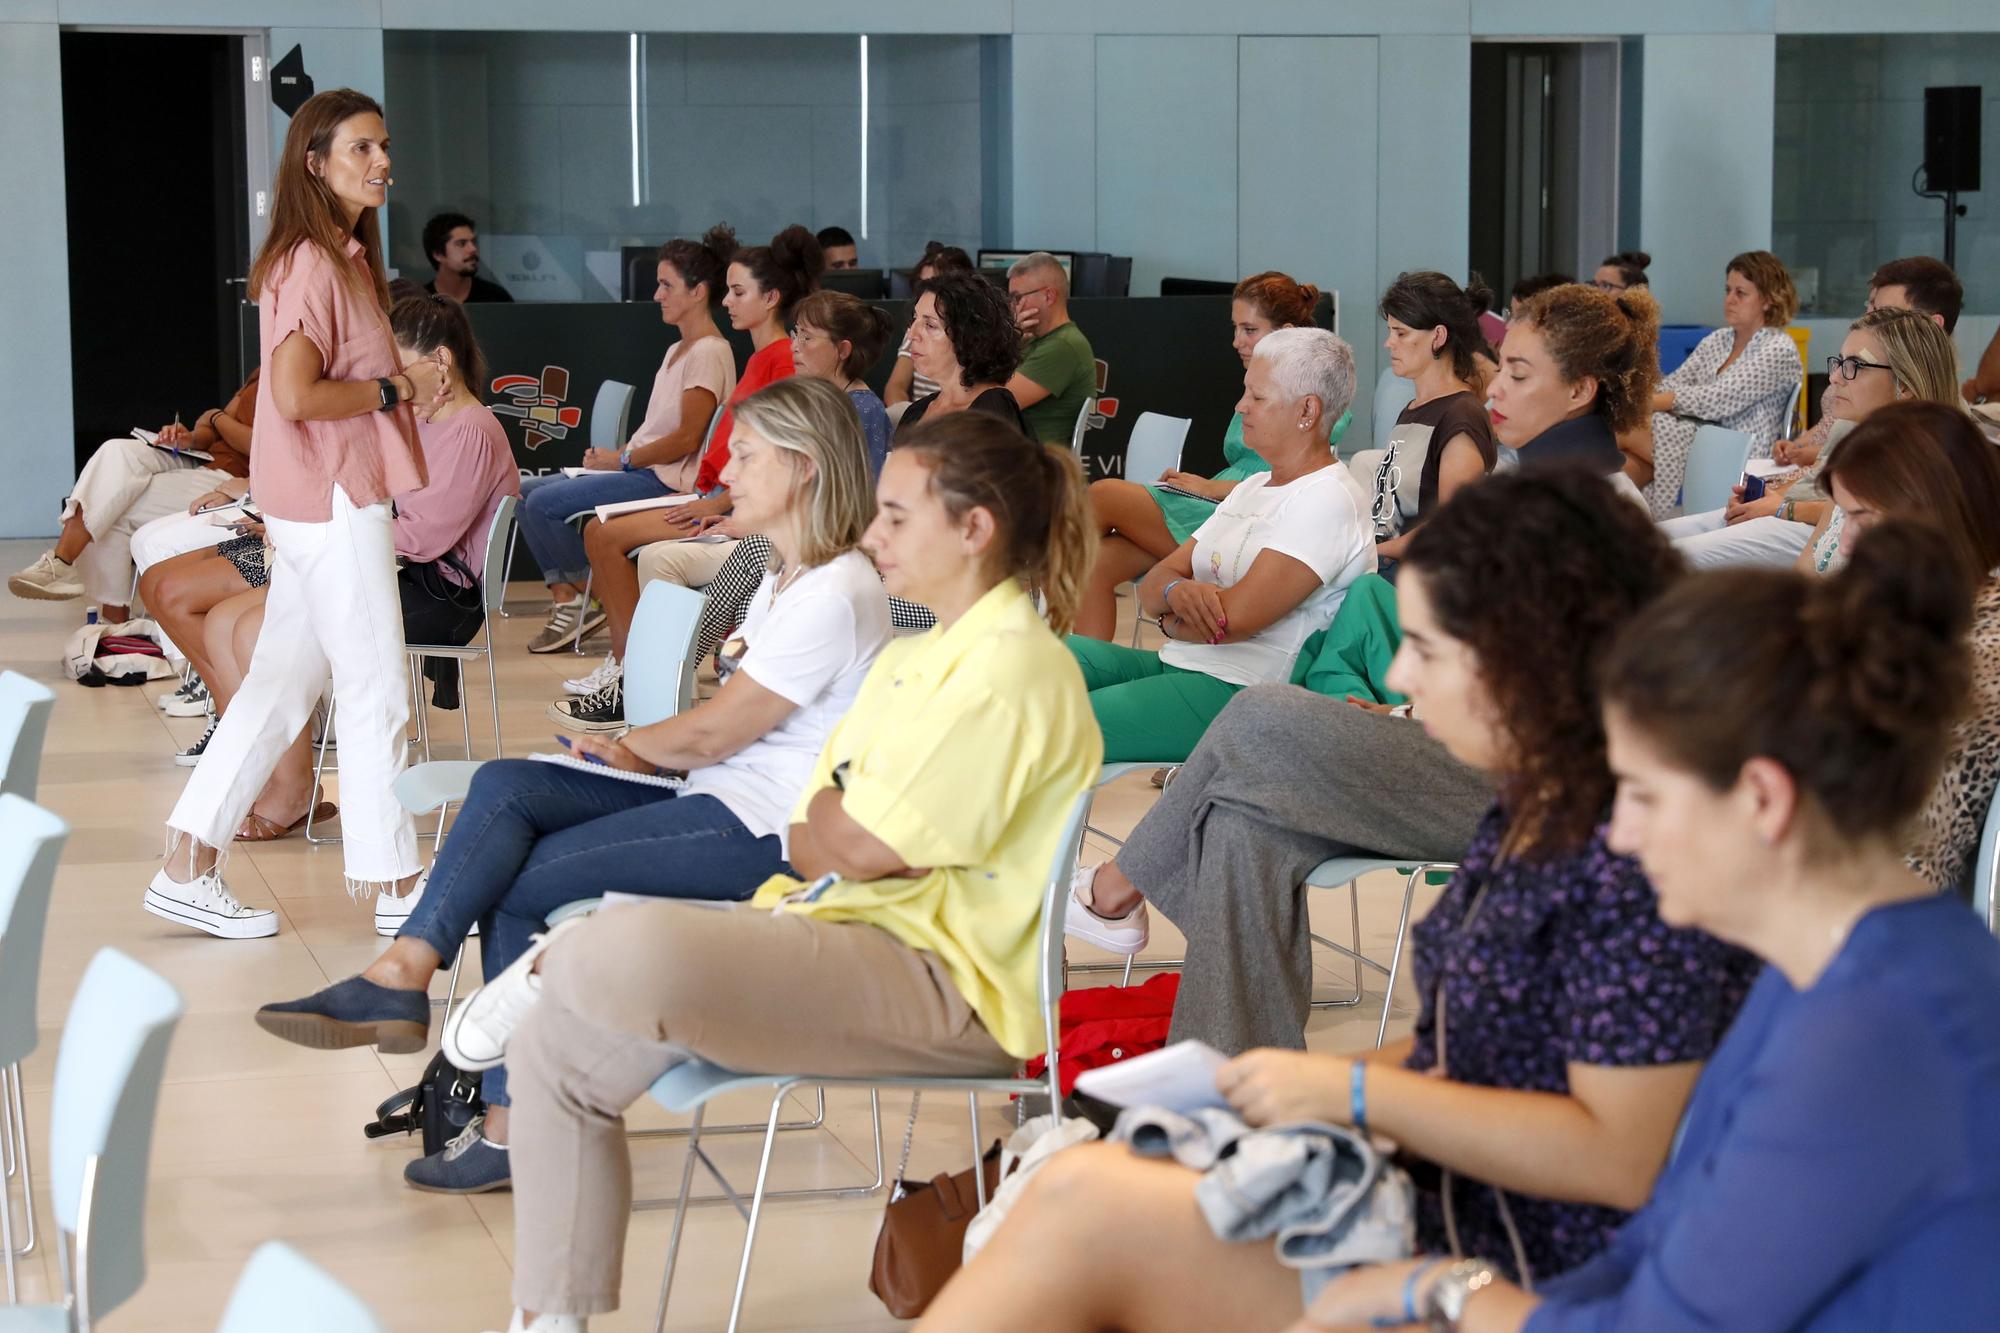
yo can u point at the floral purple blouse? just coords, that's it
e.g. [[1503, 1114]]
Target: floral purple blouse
[[1544, 964]]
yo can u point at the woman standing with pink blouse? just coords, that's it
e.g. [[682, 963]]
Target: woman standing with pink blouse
[[335, 438]]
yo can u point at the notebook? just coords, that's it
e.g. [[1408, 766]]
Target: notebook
[[1180, 1077], [606, 771], [605, 513], [152, 437]]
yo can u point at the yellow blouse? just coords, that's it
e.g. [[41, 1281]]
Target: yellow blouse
[[966, 750]]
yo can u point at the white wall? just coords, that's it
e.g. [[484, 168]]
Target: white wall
[[34, 284]]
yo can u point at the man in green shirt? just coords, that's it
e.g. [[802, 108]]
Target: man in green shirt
[[1058, 372]]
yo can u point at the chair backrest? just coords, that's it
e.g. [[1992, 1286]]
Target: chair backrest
[[1054, 904], [25, 706], [1794, 420], [714, 420], [659, 671], [609, 414], [1393, 393], [493, 570], [1082, 427], [281, 1288], [1155, 446], [1986, 866], [1714, 465], [31, 841], [114, 1049]]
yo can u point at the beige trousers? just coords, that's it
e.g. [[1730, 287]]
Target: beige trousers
[[123, 486], [639, 988], [690, 564]]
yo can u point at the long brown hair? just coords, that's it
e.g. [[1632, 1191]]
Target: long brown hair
[[1044, 534], [305, 208], [425, 322], [1928, 463]]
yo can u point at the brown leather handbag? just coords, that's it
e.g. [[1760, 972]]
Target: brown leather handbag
[[922, 1241]]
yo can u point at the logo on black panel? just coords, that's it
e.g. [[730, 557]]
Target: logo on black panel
[[537, 401]]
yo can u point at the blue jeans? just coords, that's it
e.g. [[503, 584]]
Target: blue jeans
[[533, 837], [548, 501]]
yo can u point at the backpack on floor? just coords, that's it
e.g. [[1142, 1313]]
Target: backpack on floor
[[127, 654], [439, 1107]]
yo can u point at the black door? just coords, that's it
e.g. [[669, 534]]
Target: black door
[[154, 165]]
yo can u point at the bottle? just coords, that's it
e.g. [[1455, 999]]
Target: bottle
[[90, 615]]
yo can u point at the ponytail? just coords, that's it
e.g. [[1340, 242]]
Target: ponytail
[[1044, 535]]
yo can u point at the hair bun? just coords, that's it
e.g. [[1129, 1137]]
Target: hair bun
[[1478, 296], [1638, 259], [1308, 296], [1887, 635], [720, 241], [799, 250]]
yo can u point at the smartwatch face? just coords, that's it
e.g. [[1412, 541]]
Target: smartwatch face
[[729, 657]]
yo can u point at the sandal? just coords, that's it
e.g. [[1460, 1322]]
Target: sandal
[[260, 828]]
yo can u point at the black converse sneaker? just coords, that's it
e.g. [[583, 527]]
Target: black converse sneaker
[[191, 756], [602, 711]]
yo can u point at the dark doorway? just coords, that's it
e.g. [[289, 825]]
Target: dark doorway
[[154, 162]]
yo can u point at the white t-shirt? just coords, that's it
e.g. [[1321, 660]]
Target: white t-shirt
[[1321, 520], [812, 644]]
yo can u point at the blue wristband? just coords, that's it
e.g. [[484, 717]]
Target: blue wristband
[[1409, 1314], [1167, 593], [1357, 1095]]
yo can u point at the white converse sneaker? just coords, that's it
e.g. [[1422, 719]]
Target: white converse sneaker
[[392, 912], [191, 700], [49, 579], [477, 1033], [205, 903], [1124, 935], [603, 674]]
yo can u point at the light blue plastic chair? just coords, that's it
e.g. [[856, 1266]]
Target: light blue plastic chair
[[1715, 462], [659, 682], [1986, 867], [25, 706], [691, 1085], [114, 1051], [1341, 872], [1393, 393], [31, 842], [282, 1289]]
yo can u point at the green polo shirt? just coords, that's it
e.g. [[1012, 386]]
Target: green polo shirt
[[1061, 362]]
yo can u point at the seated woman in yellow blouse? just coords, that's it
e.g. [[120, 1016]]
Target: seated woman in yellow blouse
[[924, 837]]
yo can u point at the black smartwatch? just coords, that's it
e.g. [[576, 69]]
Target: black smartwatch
[[390, 398]]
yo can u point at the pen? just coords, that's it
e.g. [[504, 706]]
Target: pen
[[178, 428], [587, 758]]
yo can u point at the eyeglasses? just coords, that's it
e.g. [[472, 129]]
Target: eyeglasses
[[1604, 286], [1016, 298], [1850, 367]]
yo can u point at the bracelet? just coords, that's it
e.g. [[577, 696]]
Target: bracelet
[[1357, 1095], [625, 459], [1410, 1314], [1167, 593]]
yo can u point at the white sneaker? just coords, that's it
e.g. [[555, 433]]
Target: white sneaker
[[184, 691], [477, 1033], [1124, 935], [206, 903], [47, 580], [603, 674], [191, 700], [549, 1323], [392, 912]]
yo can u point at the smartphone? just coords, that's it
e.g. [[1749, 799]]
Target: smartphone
[[1753, 488]]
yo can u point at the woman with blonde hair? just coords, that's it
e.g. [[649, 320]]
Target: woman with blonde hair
[[1741, 376], [335, 437], [534, 836], [1890, 355]]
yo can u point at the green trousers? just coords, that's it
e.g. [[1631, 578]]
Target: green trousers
[[1146, 708]]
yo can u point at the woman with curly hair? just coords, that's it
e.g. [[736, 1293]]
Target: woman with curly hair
[[1578, 1020], [963, 336], [1575, 372]]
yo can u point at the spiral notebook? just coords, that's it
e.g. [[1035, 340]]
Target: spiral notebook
[[606, 771]]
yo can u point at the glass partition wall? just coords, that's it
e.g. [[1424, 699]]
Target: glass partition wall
[[565, 147]]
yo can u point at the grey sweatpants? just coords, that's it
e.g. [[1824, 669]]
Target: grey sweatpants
[[1282, 780]]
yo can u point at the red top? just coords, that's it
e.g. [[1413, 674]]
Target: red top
[[772, 364], [294, 465]]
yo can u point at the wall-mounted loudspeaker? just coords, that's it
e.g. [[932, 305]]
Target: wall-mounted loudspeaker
[[1951, 139]]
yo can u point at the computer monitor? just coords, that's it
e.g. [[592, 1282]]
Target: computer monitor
[[1195, 287], [1006, 259], [870, 284]]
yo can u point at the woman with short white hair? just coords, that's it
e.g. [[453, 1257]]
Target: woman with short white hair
[[1265, 571]]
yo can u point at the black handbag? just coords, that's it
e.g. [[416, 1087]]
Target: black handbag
[[439, 1107]]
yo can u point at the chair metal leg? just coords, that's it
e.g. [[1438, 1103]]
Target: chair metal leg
[[756, 1213], [1396, 955], [7, 1253], [730, 1196], [319, 774], [451, 987], [464, 708], [680, 1220], [513, 535], [19, 1138], [576, 646], [978, 1153], [493, 690]]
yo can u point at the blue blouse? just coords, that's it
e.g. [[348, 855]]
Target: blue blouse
[[1838, 1167], [874, 427]]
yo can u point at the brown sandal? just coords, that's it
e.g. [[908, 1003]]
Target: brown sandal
[[259, 828]]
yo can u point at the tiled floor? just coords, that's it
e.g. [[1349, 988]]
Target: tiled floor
[[259, 1139]]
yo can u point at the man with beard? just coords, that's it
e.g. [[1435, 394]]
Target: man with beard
[[452, 242]]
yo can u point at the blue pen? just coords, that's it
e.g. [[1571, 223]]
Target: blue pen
[[587, 758]]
